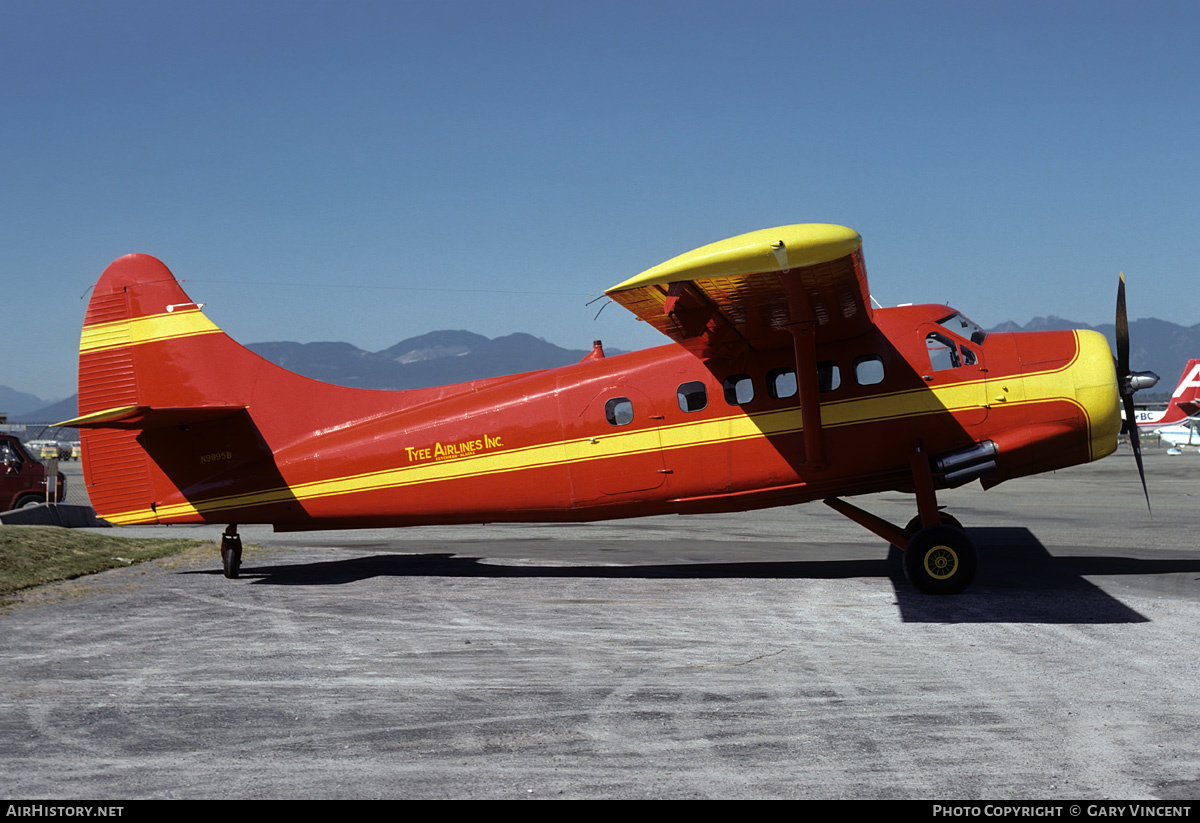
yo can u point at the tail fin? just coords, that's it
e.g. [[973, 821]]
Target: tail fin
[[180, 424], [148, 358], [145, 343], [1185, 401]]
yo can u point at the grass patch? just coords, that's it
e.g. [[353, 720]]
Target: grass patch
[[33, 555]]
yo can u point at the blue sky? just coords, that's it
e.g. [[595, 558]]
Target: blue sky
[[370, 171]]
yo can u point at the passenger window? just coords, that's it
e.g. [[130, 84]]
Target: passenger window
[[868, 370], [829, 376], [619, 411], [692, 396], [739, 389], [781, 383], [968, 357]]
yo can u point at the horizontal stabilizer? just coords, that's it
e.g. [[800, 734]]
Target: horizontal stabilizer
[[145, 417]]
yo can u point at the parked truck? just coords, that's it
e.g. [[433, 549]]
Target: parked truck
[[22, 478]]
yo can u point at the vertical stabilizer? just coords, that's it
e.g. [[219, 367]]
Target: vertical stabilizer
[[147, 355], [1185, 400]]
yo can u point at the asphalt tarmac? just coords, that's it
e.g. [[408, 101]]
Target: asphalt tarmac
[[772, 654]]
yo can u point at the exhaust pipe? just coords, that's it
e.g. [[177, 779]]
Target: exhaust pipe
[[965, 465]]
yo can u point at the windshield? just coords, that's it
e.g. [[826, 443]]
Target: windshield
[[964, 327]]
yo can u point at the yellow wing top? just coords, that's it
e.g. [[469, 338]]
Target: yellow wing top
[[743, 291]]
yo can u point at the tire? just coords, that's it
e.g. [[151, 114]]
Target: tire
[[914, 525], [947, 519], [231, 560], [940, 560], [29, 501]]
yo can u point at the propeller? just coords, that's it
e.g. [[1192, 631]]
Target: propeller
[[1129, 382]]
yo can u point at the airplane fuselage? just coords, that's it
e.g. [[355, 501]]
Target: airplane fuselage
[[1182, 434], [782, 384], [650, 432]]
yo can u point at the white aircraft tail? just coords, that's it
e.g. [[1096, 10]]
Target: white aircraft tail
[[1185, 400]]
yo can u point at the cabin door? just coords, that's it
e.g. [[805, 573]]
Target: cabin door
[[614, 444], [956, 373]]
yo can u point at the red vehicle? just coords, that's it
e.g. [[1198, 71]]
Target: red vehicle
[[22, 478], [782, 385]]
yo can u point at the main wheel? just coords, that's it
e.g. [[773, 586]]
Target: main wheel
[[947, 519], [940, 560], [914, 525]]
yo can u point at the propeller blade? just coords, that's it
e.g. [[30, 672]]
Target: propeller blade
[[1136, 444], [1122, 332], [1127, 384]]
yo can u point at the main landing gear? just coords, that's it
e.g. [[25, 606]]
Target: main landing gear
[[939, 558], [231, 551]]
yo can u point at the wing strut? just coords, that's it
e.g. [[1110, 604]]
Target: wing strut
[[804, 335], [803, 328]]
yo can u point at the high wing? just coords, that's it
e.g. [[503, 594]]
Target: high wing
[[746, 291], [796, 285]]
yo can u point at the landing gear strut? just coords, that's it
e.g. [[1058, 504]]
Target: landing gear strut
[[231, 551], [939, 558]]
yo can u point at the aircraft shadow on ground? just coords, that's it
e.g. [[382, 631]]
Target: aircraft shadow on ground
[[1019, 581]]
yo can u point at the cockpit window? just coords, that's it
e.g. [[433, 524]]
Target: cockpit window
[[943, 354], [963, 327]]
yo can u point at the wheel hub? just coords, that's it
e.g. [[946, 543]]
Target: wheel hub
[[941, 562]]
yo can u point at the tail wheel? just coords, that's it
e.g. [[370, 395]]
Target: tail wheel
[[231, 554], [940, 560]]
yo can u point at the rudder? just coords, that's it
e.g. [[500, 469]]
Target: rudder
[[147, 353]]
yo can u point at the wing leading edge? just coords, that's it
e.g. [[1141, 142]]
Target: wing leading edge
[[746, 291]]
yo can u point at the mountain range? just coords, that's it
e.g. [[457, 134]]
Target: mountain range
[[438, 358], [443, 357], [435, 359], [1154, 345]]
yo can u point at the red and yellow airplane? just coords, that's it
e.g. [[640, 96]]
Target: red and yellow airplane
[[782, 385]]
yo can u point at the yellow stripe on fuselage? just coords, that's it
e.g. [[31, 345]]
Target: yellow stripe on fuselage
[[1036, 387], [151, 328]]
